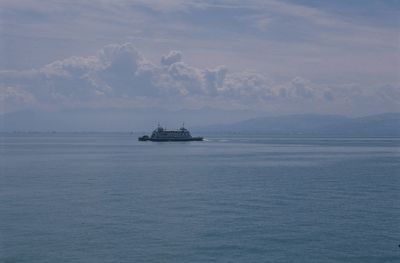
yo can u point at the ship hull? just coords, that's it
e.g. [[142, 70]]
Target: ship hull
[[172, 139], [162, 135]]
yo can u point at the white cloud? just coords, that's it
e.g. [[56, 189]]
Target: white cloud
[[173, 57], [120, 76], [14, 98], [278, 37]]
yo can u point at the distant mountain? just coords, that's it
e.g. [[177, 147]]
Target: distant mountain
[[116, 119], [146, 119], [387, 124]]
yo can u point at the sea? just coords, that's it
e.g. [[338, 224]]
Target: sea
[[106, 197]]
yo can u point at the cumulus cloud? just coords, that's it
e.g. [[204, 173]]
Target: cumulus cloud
[[119, 75], [13, 98], [173, 57]]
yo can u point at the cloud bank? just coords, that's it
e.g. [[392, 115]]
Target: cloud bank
[[120, 76]]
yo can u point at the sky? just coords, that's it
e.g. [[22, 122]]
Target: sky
[[264, 56]]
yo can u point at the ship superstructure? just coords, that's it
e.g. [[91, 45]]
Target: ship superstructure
[[161, 135]]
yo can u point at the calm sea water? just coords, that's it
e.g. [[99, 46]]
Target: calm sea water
[[109, 198]]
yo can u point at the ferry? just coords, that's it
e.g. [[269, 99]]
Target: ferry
[[163, 135]]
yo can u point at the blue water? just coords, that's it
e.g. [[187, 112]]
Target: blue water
[[109, 198]]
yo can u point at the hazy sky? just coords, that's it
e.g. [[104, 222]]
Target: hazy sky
[[270, 56]]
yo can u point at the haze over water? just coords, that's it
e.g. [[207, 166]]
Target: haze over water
[[105, 197]]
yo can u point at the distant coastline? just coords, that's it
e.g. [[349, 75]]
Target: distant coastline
[[380, 125]]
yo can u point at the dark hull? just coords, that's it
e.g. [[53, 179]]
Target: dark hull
[[172, 139], [144, 138]]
